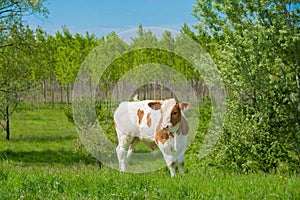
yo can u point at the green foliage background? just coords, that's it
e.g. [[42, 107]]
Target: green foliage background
[[256, 47]]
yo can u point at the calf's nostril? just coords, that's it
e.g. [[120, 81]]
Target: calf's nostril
[[165, 127]]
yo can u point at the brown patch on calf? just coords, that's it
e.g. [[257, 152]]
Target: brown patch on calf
[[175, 115], [155, 105], [162, 136], [183, 127], [140, 114], [158, 128], [148, 120]]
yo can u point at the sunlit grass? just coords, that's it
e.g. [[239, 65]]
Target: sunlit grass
[[89, 182], [45, 160]]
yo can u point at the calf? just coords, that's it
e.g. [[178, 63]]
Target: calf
[[151, 122]]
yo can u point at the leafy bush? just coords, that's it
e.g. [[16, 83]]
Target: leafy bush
[[254, 142], [204, 120], [256, 57], [69, 112]]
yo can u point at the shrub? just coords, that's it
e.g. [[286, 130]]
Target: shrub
[[254, 141]]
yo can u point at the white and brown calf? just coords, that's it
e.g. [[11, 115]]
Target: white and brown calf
[[151, 122]]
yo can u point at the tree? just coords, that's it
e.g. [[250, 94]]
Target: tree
[[15, 75], [70, 53], [16, 54], [258, 56], [12, 13]]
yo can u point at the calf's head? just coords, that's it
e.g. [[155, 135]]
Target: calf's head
[[170, 112]]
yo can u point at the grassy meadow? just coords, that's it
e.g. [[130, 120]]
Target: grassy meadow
[[45, 160]]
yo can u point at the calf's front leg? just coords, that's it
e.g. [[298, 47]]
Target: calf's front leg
[[167, 150]]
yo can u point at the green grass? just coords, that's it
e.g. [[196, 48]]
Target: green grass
[[45, 160]]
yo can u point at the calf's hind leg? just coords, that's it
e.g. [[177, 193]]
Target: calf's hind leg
[[121, 149], [130, 149]]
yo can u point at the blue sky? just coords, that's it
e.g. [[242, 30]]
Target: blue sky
[[103, 16]]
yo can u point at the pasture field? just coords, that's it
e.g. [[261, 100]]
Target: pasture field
[[45, 160]]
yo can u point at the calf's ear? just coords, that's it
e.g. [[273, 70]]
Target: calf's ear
[[156, 105], [184, 106]]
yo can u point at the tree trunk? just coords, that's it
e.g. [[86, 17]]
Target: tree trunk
[[161, 91], [61, 94], [145, 92], [44, 92], [52, 94], [33, 99], [7, 123], [154, 88], [67, 94], [298, 86]]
